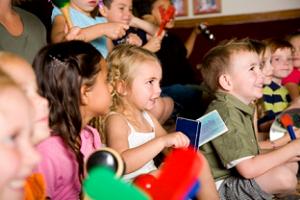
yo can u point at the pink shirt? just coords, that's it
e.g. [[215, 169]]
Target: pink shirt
[[294, 77], [59, 165]]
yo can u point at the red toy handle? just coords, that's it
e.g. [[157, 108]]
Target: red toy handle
[[165, 16]]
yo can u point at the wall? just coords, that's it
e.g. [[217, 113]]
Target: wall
[[235, 7]]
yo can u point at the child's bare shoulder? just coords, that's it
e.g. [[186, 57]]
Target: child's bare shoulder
[[116, 120]]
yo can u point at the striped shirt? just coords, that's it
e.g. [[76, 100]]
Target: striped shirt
[[276, 99]]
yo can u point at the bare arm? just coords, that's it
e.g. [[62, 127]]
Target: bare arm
[[293, 90], [259, 164], [190, 42], [148, 27], [117, 131], [111, 30], [279, 142]]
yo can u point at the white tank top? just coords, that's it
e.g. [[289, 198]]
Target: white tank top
[[136, 139]]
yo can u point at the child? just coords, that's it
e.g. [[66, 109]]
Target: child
[[21, 32], [121, 11], [276, 97], [267, 70], [292, 81], [87, 26], [73, 77], [16, 149], [22, 73], [179, 78], [232, 70], [131, 130], [140, 32]]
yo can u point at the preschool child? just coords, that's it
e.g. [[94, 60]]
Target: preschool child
[[140, 33], [131, 130], [232, 71], [16, 148], [73, 77], [292, 81], [22, 73], [87, 26], [264, 142], [275, 95], [180, 81]]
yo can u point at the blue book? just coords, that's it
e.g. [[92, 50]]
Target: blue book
[[203, 129]]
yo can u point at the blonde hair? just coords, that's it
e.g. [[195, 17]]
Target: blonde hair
[[122, 63], [217, 61]]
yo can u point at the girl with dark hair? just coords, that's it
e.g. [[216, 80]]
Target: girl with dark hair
[[73, 77]]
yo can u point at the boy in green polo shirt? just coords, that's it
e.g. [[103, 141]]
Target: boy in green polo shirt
[[232, 71]]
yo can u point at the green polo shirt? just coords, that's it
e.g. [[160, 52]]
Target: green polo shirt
[[238, 142]]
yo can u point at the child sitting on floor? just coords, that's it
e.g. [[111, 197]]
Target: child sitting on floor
[[131, 130], [232, 71]]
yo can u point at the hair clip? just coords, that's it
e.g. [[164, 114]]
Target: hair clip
[[100, 4], [56, 59]]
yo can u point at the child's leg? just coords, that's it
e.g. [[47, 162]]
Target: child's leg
[[163, 109], [279, 180], [208, 188]]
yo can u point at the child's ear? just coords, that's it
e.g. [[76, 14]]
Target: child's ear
[[121, 87], [225, 82], [103, 10], [84, 94]]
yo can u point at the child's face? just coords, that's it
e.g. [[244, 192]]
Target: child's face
[[85, 6], [16, 149], [246, 77], [21, 72], [99, 96], [296, 54], [156, 13], [119, 11], [282, 63], [145, 86], [267, 68]]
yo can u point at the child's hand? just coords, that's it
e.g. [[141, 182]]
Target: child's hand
[[133, 39], [297, 132], [176, 140], [73, 34], [115, 30], [154, 43]]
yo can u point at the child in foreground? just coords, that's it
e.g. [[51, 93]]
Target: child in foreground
[[22, 73], [135, 74], [232, 71], [16, 148], [73, 77]]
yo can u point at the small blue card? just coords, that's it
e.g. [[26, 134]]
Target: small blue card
[[202, 130]]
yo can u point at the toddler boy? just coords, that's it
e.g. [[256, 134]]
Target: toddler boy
[[233, 72]]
